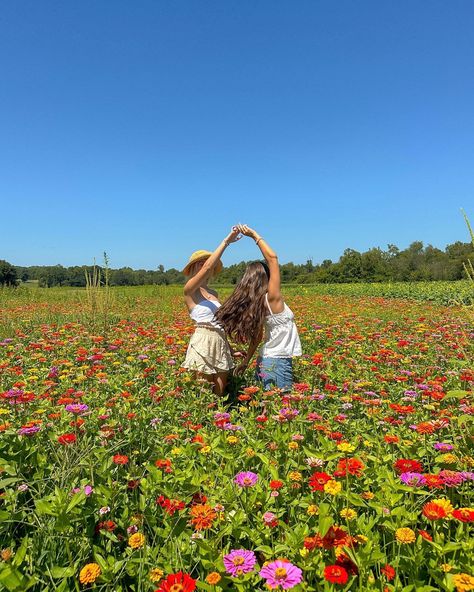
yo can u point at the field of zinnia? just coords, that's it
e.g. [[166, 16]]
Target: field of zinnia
[[119, 472]]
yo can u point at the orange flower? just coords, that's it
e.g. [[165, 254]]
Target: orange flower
[[434, 511], [202, 516], [213, 578], [89, 573]]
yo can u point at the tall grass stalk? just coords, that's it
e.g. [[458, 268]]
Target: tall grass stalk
[[98, 295]]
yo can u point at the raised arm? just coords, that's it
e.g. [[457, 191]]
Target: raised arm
[[274, 284], [205, 272]]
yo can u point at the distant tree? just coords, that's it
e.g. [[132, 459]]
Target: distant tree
[[8, 274]]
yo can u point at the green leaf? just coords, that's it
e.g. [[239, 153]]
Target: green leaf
[[456, 394], [20, 554], [12, 579], [62, 572]]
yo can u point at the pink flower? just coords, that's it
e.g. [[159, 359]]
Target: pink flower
[[239, 562], [246, 479], [281, 574]]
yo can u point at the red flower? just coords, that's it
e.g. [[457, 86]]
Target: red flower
[[353, 466], [107, 525], [178, 582], [425, 535], [388, 572], [464, 514], [67, 439], [275, 484], [407, 466], [170, 506], [433, 511], [120, 459], [335, 574], [318, 480], [164, 463]]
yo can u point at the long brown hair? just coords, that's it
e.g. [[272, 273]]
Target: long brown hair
[[242, 315]]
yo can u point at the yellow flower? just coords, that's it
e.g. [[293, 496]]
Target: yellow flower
[[4, 411], [348, 514], [136, 541], [156, 574], [312, 510], [293, 445], [304, 552], [213, 578], [446, 505], [205, 449], [368, 444], [295, 476], [250, 452], [176, 451], [361, 538], [463, 582], [405, 535], [89, 573], [346, 447], [368, 495], [449, 459], [232, 440], [332, 487], [446, 567]]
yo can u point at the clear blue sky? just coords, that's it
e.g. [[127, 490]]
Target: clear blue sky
[[146, 128]]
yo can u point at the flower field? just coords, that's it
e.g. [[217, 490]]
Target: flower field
[[119, 472]]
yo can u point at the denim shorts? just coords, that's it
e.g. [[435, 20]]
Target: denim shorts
[[275, 372]]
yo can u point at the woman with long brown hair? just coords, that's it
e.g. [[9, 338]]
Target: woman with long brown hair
[[209, 354], [255, 310]]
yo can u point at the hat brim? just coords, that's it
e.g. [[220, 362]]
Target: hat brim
[[217, 268]]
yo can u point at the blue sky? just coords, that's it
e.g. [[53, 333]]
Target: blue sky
[[148, 128]]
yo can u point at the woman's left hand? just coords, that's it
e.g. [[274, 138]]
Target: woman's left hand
[[233, 236]]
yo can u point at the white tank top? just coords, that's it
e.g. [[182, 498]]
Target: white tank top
[[204, 311], [281, 339]]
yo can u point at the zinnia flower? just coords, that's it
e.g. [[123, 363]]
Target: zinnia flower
[[464, 514], [281, 574], [202, 516], [388, 572], [335, 574], [405, 535], [213, 578], [137, 540], [239, 562], [67, 439], [178, 582], [463, 582], [120, 459], [434, 511], [89, 573], [246, 479], [318, 480], [332, 487]]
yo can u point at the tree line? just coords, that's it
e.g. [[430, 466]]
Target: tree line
[[415, 263]]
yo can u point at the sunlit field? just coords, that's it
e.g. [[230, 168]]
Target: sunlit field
[[118, 469]]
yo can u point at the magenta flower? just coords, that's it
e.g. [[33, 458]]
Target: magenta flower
[[239, 562], [77, 408], [413, 479], [29, 431], [246, 479], [281, 574]]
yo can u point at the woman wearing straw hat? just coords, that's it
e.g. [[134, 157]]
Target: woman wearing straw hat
[[209, 353]]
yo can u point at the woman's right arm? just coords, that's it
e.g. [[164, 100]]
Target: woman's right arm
[[274, 283], [206, 270]]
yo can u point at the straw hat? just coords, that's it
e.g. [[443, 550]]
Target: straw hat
[[199, 256]]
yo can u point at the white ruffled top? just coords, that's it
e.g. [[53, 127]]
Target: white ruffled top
[[281, 339], [204, 311]]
